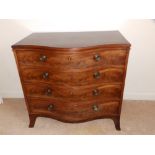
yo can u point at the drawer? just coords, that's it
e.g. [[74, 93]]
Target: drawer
[[73, 112], [70, 59], [73, 77], [70, 94]]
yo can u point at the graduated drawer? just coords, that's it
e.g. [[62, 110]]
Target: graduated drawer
[[73, 77], [83, 93], [70, 59], [71, 111]]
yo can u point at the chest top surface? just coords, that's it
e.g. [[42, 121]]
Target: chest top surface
[[73, 39]]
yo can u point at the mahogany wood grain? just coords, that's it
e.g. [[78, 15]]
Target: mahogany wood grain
[[73, 77], [72, 60], [73, 112], [70, 40], [84, 93]]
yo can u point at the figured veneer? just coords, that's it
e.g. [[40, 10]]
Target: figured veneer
[[100, 92], [60, 59], [73, 112], [73, 77]]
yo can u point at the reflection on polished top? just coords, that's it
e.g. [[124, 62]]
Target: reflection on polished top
[[74, 39]]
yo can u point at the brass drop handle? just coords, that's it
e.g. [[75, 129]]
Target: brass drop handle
[[50, 107], [95, 92], [48, 92], [95, 107], [97, 57], [97, 75], [45, 75], [43, 58]]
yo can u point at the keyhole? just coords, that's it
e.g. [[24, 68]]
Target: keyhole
[[69, 58]]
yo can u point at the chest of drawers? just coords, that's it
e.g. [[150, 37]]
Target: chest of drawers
[[73, 76]]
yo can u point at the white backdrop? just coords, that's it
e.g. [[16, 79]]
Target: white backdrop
[[140, 82]]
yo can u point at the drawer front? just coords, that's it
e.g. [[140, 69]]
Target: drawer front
[[60, 60], [73, 111], [73, 77], [95, 92]]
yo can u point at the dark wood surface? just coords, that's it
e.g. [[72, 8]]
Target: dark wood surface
[[73, 85], [105, 92], [72, 77], [72, 60], [71, 112], [73, 39]]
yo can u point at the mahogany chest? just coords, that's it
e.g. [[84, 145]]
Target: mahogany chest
[[73, 76]]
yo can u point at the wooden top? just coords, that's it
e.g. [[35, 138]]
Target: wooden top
[[73, 39]]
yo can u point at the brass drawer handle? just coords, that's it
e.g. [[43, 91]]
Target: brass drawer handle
[[48, 92], [95, 107], [45, 75], [50, 107], [95, 92], [97, 57], [97, 75], [43, 58]]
